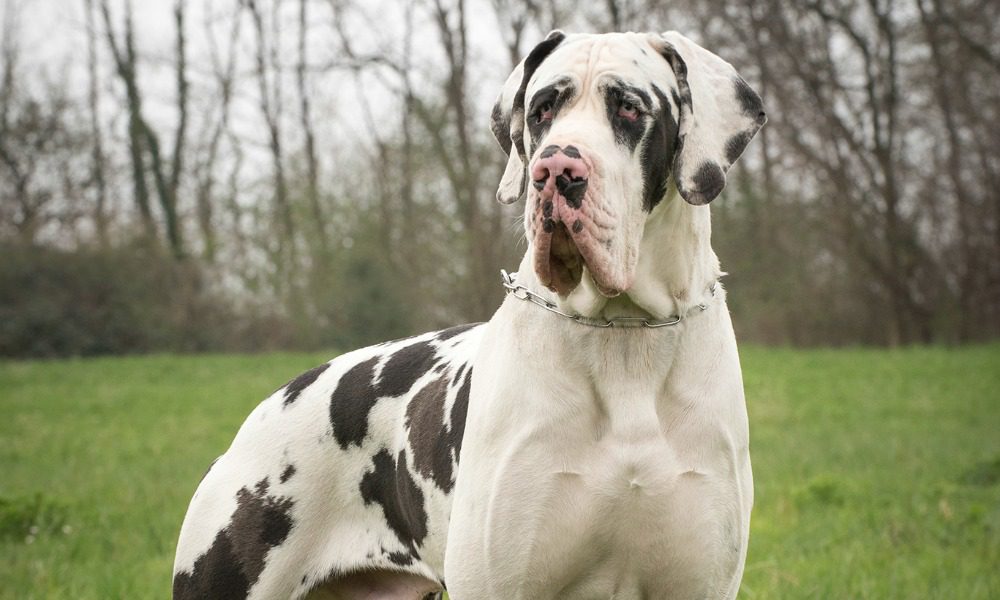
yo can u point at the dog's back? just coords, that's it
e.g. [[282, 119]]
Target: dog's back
[[339, 482]]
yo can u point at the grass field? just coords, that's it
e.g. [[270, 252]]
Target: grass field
[[877, 472]]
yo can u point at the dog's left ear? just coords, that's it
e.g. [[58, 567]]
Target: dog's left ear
[[507, 121], [719, 115]]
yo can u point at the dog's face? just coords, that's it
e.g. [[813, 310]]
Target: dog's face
[[599, 130]]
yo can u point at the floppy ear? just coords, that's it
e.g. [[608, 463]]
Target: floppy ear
[[719, 115], [508, 119]]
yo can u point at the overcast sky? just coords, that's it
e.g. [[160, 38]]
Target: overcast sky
[[53, 38], [53, 43]]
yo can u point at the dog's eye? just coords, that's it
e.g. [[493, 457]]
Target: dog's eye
[[544, 113], [628, 110]]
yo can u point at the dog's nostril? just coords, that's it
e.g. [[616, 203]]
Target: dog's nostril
[[566, 183], [539, 183], [572, 189], [561, 182]]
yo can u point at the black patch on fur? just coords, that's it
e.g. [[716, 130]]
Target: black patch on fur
[[680, 70], [389, 484], [556, 95], [571, 151], [577, 226], [658, 153], [351, 402], [708, 182], [234, 562], [459, 413], [535, 58], [547, 209], [294, 387], [447, 334], [287, 474], [216, 574], [627, 133], [549, 151], [682, 98], [736, 144], [425, 421], [400, 558], [405, 367], [500, 127], [548, 225], [750, 102], [572, 189]]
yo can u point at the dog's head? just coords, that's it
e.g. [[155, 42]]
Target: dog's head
[[600, 129]]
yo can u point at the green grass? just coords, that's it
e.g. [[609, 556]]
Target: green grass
[[877, 472]]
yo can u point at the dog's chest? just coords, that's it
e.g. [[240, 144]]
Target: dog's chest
[[606, 485], [644, 508]]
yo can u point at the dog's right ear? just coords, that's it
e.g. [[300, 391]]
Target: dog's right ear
[[507, 120]]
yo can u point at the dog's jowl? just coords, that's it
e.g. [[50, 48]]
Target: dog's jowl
[[590, 441]]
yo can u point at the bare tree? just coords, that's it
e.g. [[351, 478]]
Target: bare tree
[[269, 90], [143, 138], [305, 115], [223, 71], [125, 62], [98, 166], [457, 152]]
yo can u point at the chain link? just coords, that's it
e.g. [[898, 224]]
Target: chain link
[[522, 293]]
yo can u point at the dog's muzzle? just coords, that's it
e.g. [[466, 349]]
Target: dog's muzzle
[[570, 229]]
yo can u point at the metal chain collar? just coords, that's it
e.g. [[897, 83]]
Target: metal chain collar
[[522, 293]]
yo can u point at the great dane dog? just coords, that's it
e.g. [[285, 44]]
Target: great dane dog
[[544, 454]]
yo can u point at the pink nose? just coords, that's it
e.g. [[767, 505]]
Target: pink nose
[[562, 169], [555, 161]]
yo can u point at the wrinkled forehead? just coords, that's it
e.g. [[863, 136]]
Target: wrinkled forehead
[[589, 61]]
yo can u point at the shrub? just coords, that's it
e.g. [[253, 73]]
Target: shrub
[[122, 300]]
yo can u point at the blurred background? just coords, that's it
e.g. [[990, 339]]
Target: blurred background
[[297, 174]]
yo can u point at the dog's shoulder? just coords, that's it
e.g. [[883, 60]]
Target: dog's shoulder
[[421, 372]]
